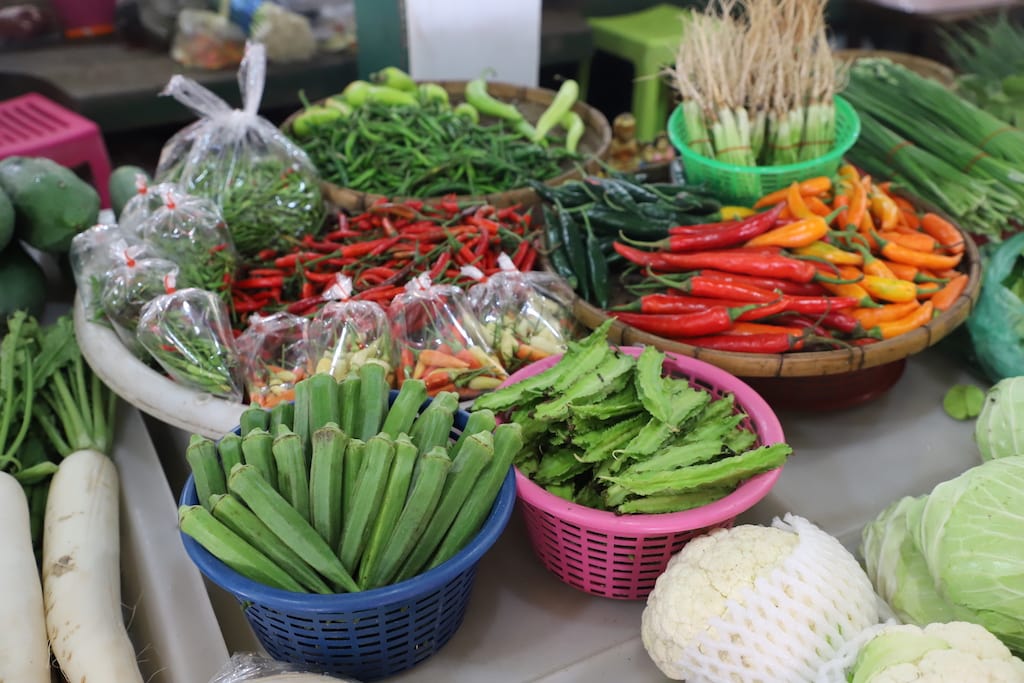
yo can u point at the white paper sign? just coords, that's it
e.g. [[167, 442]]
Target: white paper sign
[[461, 39]]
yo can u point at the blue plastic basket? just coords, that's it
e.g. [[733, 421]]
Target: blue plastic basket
[[367, 635]]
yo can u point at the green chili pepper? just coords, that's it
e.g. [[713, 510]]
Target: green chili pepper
[[567, 95], [477, 95], [576, 250], [467, 111], [433, 93], [356, 93], [574, 127], [393, 77], [315, 117]]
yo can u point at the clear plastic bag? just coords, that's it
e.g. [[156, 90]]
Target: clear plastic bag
[[266, 187], [147, 199], [187, 333], [190, 231], [439, 340], [525, 317], [207, 40], [288, 36], [94, 253], [247, 667], [274, 355], [129, 287], [344, 335]]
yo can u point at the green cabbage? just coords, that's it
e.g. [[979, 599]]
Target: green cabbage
[[956, 554], [999, 430]]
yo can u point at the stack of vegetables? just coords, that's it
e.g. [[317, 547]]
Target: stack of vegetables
[[990, 58], [397, 138], [757, 82], [818, 267], [340, 492], [937, 146]]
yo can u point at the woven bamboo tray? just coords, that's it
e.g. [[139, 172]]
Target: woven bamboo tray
[[532, 102], [922, 66], [810, 364]]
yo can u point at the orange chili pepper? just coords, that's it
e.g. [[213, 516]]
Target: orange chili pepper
[[830, 253], [813, 186], [796, 234], [883, 209], [437, 378], [817, 207], [469, 357], [945, 297], [841, 201], [889, 289], [919, 317], [419, 370], [439, 359], [741, 327], [858, 203], [901, 254], [853, 289], [944, 232], [870, 317], [795, 202], [926, 290], [530, 353], [866, 228], [908, 212], [918, 241], [901, 270]]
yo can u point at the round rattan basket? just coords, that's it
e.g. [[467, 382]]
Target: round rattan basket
[[532, 102], [923, 66]]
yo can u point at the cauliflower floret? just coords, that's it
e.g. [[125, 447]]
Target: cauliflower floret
[[756, 605]]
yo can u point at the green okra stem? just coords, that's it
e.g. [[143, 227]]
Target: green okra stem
[[252, 418], [395, 496], [434, 425], [373, 400], [292, 471], [405, 407], [258, 451], [427, 486], [326, 476], [228, 547], [478, 421], [371, 483], [323, 401], [207, 474], [230, 449], [240, 519], [288, 525], [477, 452]]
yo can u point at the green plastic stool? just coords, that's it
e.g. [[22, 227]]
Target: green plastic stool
[[649, 40]]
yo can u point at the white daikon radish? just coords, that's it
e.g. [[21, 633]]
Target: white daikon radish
[[82, 572], [24, 652]]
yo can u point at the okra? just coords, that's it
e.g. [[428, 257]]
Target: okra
[[476, 454], [508, 441], [354, 450], [348, 400], [281, 414], [373, 401], [207, 474], [292, 471], [231, 549], [580, 358], [258, 451], [288, 525], [326, 477], [478, 421], [399, 482], [405, 408], [240, 519], [726, 472], [610, 376], [434, 425], [674, 502], [230, 449], [300, 420], [427, 485], [252, 418], [323, 402], [369, 492]]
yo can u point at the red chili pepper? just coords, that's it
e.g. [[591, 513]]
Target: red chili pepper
[[842, 322], [731, 261], [289, 260], [509, 212], [260, 282], [709, 321], [379, 293], [266, 254], [698, 285], [699, 238], [748, 343], [818, 305], [440, 264], [784, 286], [261, 272], [529, 260], [339, 261], [487, 224], [321, 277], [449, 205], [682, 303], [305, 304]]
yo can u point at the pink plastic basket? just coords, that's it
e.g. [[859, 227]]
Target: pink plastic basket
[[621, 556]]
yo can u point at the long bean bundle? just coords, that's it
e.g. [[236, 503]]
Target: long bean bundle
[[428, 151]]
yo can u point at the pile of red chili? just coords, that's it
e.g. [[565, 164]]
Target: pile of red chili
[[823, 267], [382, 249]]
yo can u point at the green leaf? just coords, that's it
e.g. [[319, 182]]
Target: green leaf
[[963, 401]]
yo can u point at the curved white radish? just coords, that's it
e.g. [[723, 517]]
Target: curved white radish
[[82, 573], [24, 652]]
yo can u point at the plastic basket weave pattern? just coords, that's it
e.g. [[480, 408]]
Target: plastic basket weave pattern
[[621, 556], [367, 635], [743, 185]]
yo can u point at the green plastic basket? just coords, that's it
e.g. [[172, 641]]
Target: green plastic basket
[[743, 185]]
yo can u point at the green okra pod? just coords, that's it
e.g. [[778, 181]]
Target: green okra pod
[[252, 418], [207, 474], [373, 400], [395, 496], [326, 481], [281, 414], [354, 450], [292, 471], [370, 485], [349, 404], [434, 425], [230, 449], [258, 451], [405, 407]]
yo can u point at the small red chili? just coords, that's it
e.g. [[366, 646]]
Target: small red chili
[[784, 286], [260, 282], [700, 238], [748, 343], [711, 320]]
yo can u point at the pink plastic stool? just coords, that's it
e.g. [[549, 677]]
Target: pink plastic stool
[[32, 125]]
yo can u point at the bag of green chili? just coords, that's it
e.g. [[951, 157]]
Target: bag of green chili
[[996, 325], [265, 185]]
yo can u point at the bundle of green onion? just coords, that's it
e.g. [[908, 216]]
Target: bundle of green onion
[[989, 55], [757, 81], [936, 144]]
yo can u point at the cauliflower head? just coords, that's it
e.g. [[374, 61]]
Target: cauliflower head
[[955, 652], [756, 604]]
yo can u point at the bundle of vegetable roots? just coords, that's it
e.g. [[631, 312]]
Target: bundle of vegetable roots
[[340, 492], [400, 139], [757, 82], [670, 446], [59, 495], [381, 250], [989, 55], [937, 145], [819, 267], [584, 217]]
